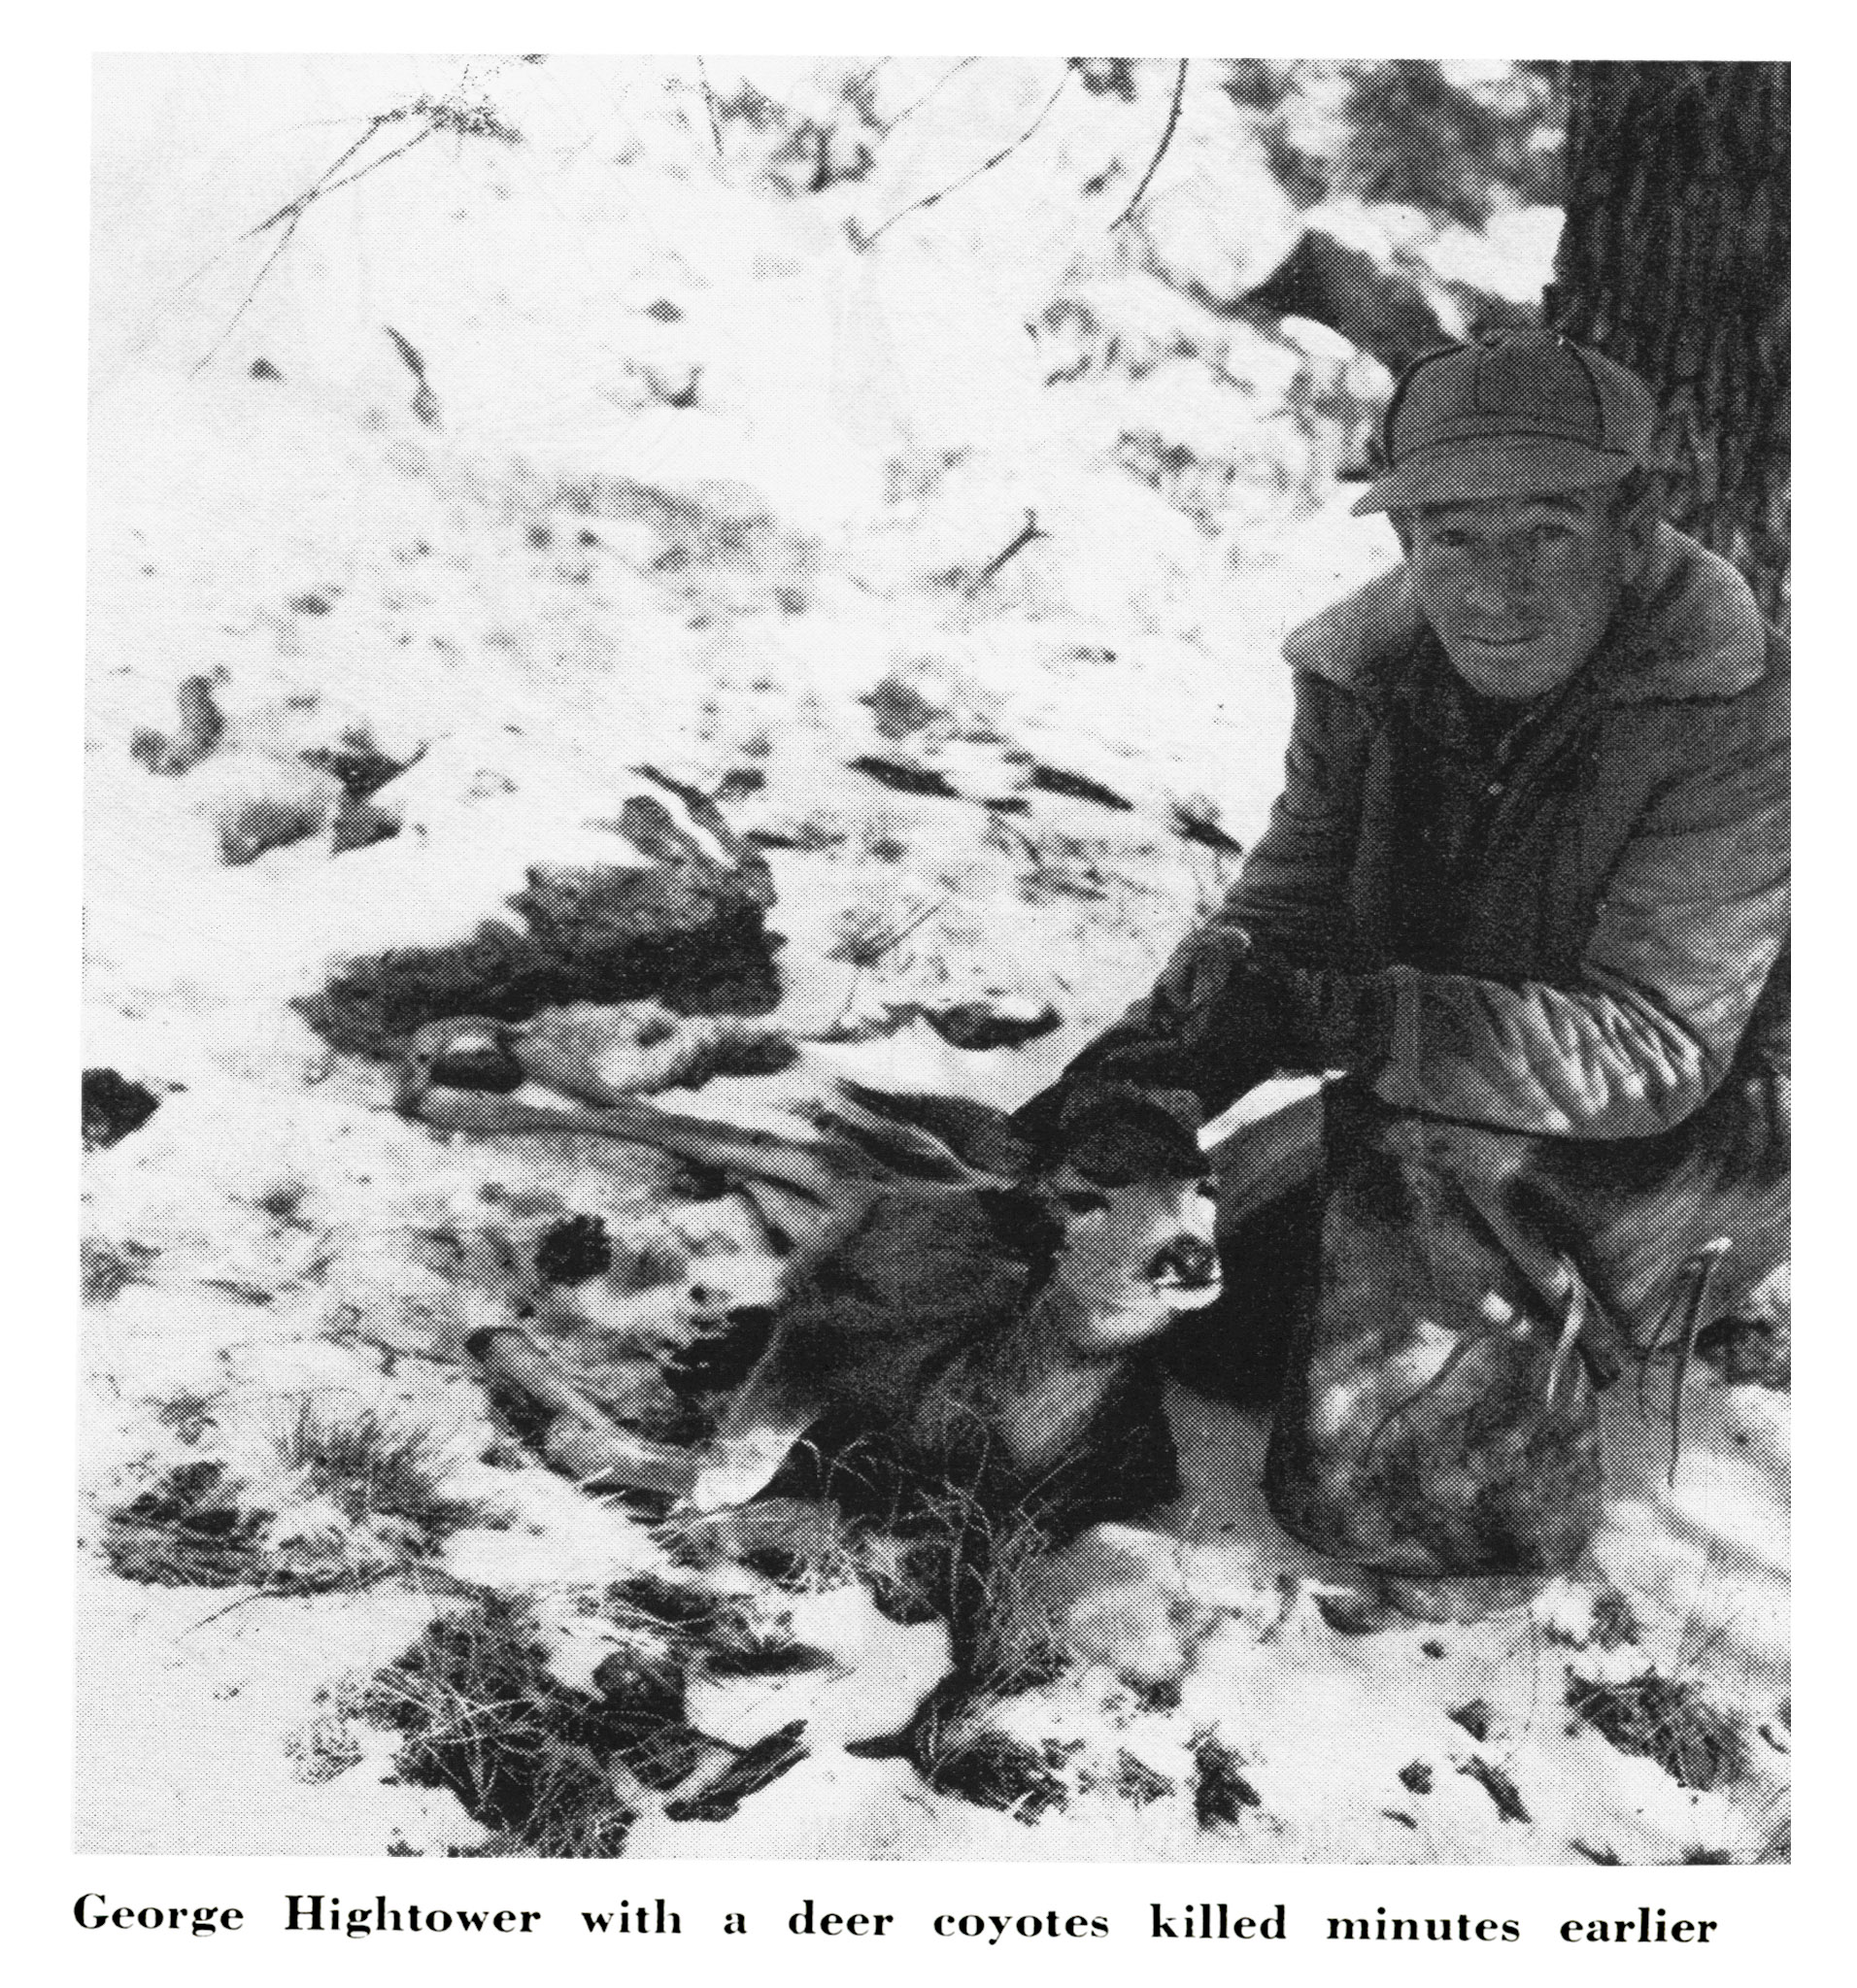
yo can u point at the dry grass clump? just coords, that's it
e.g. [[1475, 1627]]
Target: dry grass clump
[[997, 1771], [978, 1565], [797, 1545], [482, 1715], [339, 1500], [327, 1746], [561, 1771], [372, 1464], [1666, 1720]]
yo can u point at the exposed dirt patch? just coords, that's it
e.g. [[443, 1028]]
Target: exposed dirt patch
[[694, 940], [1221, 1790], [113, 1107], [353, 1500]]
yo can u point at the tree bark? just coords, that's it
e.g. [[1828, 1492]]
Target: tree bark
[[1676, 260]]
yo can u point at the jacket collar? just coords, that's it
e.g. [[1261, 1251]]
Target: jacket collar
[[1690, 629]]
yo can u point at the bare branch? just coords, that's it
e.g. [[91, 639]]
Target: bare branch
[[998, 158], [1029, 530], [373, 166], [320, 182], [709, 104], [1160, 151], [934, 89], [451, 112], [292, 216]]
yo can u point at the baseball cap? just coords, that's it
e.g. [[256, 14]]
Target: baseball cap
[[1511, 415]]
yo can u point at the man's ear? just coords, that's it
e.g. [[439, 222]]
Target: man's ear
[[1401, 524]]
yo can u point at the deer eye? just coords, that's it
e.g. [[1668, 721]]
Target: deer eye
[[1083, 1202]]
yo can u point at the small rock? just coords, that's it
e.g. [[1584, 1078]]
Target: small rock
[[1476, 1718], [1500, 1788], [1353, 1614], [113, 1107], [992, 1025], [903, 778]]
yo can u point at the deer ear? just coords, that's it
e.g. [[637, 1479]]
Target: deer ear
[[1183, 1107], [1117, 1131], [1095, 1100], [1022, 1222]]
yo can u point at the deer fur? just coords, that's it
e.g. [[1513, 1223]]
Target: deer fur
[[981, 1327]]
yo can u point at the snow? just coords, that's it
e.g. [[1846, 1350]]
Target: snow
[[502, 601]]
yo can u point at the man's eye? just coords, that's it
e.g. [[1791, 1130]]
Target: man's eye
[[1084, 1201]]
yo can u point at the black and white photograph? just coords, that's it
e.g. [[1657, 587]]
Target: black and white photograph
[[936, 949]]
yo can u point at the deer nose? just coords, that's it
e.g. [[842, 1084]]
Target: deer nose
[[475, 1056], [1187, 1264]]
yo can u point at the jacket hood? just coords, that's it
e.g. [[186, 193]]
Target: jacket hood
[[1691, 628]]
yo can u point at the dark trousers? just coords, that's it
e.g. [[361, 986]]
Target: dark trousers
[[1427, 1307]]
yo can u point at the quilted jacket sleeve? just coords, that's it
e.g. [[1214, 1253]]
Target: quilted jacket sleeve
[[1693, 921]]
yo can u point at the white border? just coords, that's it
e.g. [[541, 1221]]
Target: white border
[[1778, 1917]]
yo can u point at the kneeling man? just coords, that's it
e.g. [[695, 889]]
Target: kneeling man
[[1524, 898]]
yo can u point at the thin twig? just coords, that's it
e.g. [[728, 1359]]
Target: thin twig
[[934, 89], [322, 180], [1161, 149], [998, 158], [911, 927], [1030, 530], [374, 164], [891, 941], [292, 216], [372, 1578], [709, 104]]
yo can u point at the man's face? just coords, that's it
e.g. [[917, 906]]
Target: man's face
[[1520, 591]]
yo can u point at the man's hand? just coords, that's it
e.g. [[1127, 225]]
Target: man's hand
[[1224, 1014], [1236, 1010]]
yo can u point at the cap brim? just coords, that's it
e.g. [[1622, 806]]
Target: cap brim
[[1473, 472]]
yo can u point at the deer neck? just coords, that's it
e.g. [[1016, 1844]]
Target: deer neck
[[1076, 1330], [1048, 1387]]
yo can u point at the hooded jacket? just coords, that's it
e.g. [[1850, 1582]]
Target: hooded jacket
[[1619, 902]]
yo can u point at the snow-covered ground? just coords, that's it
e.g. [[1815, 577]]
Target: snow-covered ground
[[548, 573]]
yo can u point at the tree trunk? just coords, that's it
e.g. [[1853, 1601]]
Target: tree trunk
[[1676, 260]]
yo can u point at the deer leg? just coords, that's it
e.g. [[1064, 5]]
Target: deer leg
[[818, 1169], [583, 1439], [774, 1408]]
